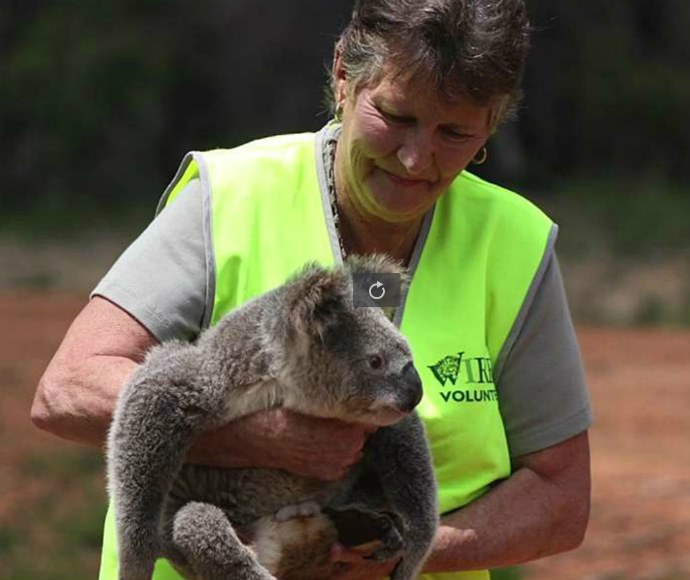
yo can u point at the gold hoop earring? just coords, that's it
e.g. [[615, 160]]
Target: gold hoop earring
[[481, 156], [338, 113]]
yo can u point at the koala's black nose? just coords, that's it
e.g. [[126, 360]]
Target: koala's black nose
[[411, 388]]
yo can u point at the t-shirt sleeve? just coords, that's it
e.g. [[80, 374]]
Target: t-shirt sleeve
[[161, 278], [541, 389]]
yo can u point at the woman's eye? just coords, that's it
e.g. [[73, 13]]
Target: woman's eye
[[455, 135], [393, 118]]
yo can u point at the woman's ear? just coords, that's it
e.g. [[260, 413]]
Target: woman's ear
[[339, 77]]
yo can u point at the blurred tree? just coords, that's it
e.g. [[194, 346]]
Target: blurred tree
[[607, 86], [82, 92], [99, 100]]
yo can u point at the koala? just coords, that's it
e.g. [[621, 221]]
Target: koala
[[305, 347]]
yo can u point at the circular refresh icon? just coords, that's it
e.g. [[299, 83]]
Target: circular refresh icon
[[372, 291]]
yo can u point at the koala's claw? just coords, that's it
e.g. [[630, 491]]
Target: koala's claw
[[391, 539]]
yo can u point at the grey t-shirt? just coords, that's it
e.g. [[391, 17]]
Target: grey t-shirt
[[163, 281]]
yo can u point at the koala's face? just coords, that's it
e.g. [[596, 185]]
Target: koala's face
[[361, 370]]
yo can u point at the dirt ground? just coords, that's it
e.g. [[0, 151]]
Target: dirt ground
[[640, 523], [640, 387]]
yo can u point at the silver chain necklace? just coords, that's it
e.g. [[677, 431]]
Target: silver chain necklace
[[331, 145], [329, 159]]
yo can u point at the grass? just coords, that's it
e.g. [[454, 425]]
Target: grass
[[72, 220], [67, 496], [628, 219], [512, 573], [64, 465], [623, 246]]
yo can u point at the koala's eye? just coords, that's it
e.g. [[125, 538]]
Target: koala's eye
[[376, 361]]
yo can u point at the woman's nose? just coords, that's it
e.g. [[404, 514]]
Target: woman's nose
[[416, 153]]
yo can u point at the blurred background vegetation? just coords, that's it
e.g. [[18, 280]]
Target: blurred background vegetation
[[100, 100]]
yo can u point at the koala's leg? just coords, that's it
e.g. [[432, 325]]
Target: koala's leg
[[159, 412], [209, 544], [375, 532], [400, 457]]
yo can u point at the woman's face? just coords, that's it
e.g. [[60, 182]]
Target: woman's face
[[401, 147]]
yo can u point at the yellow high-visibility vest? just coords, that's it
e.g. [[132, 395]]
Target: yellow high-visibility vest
[[482, 253]]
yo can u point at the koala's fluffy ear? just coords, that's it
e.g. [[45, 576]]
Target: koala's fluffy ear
[[316, 299], [374, 264]]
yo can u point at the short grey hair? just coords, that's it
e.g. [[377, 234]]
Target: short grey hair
[[472, 49]]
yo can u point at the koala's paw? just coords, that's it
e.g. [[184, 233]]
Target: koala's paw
[[392, 542]]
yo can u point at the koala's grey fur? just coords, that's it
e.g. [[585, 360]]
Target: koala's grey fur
[[302, 346]]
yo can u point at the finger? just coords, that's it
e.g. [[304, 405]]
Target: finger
[[324, 472], [341, 553], [326, 433], [330, 442], [370, 429], [357, 457], [334, 473], [353, 438], [338, 464]]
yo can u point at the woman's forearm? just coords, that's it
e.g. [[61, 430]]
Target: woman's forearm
[[525, 528], [77, 403], [535, 513], [77, 393]]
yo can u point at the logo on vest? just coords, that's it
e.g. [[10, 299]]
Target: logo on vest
[[468, 372]]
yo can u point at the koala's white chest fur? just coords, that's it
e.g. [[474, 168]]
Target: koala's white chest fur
[[249, 399]]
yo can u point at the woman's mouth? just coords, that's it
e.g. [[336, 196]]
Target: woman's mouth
[[404, 181]]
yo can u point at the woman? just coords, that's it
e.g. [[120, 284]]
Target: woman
[[418, 86]]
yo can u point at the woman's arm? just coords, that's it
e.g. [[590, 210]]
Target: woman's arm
[[78, 390], [542, 509], [77, 393]]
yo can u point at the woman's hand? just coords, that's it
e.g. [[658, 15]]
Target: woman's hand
[[353, 565], [278, 438]]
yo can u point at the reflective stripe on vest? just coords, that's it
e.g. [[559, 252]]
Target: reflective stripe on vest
[[481, 255]]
